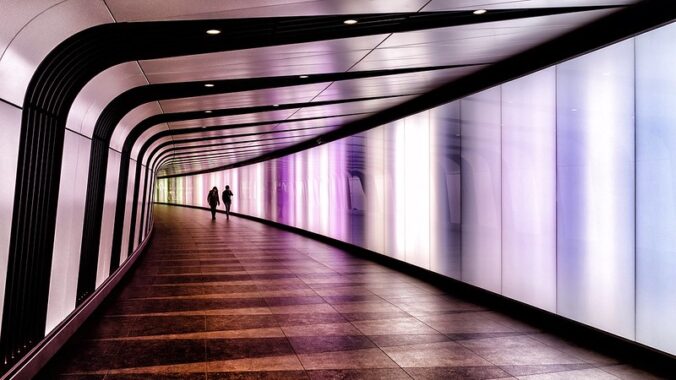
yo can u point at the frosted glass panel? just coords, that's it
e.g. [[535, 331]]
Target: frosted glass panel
[[395, 233], [595, 189], [656, 189], [481, 210], [375, 193], [445, 187], [416, 189], [529, 189]]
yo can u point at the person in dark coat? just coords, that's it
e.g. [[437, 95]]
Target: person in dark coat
[[227, 200], [213, 201]]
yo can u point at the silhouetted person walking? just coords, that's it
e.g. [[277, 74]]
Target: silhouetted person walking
[[213, 201], [227, 200]]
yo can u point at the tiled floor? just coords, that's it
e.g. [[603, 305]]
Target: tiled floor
[[234, 299]]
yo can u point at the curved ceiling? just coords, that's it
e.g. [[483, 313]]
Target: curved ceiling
[[451, 45], [318, 74]]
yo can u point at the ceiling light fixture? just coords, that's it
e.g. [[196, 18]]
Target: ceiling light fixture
[[350, 22], [479, 11], [303, 76], [213, 32], [208, 85], [275, 105], [207, 111]]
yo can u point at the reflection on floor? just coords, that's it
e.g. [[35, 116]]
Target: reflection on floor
[[236, 299]]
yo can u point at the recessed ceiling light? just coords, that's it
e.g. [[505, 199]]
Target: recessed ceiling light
[[207, 111], [213, 32], [208, 85], [275, 105], [479, 11], [350, 22], [303, 76]]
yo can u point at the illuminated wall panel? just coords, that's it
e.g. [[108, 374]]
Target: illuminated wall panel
[[656, 189], [314, 209], [481, 209], [395, 233], [126, 231], [10, 128], [354, 178], [416, 189], [375, 190], [529, 189], [68, 234], [595, 189], [335, 197], [445, 188], [108, 218]]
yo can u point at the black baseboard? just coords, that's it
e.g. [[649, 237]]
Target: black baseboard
[[624, 350]]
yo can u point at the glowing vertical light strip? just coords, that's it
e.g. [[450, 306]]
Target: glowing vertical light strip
[[416, 199], [289, 204], [398, 192], [595, 189], [312, 180], [336, 190], [445, 205], [260, 191], [234, 187], [199, 196], [325, 170], [375, 193], [180, 190], [299, 202], [481, 193], [656, 189], [529, 189]]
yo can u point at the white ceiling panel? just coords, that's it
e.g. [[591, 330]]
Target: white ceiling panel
[[267, 97], [99, 92], [235, 119], [452, 5], [478, 43], [155, 10], [34, 40], [297, 59], [367, 106], [414, 83], [131, 120]]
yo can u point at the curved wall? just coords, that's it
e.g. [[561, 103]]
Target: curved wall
[[556, 189]]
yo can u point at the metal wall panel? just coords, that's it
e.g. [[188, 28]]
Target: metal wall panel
[[10, 128], [68, 235]]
